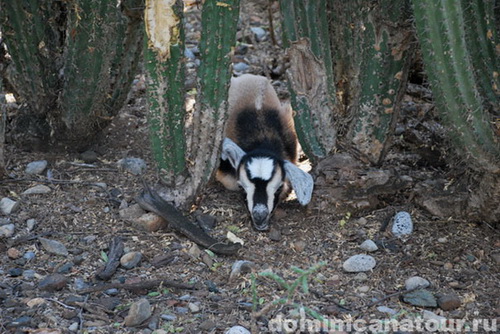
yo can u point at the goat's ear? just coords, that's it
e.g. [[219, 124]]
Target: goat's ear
[[232, 152], [302, 182]]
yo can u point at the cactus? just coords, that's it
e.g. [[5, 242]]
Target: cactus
[[188, 155], [358, 98], [450, 45], [73, 62]]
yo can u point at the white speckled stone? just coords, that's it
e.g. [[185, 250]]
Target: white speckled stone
[[369, 246], [359, 263], [402, 224], [237, 330]]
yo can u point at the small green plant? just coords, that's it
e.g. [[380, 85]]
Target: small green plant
[[344, 220], [104, 256], [291, 289]]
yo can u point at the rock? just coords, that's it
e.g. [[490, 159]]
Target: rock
[[150, 222], [449, 302], [259, 33], [388, 310], [402, 224], [239, 268], [138, 313], [241, 67], [89, 157], [359, 263], [421, 298], [7, 231], [168, 317], [206, 222], [428, 315], [54, 282], [360, 277], [237, 330], [24, 321], [15, 272], [73, 327], [161, 260], [364, 289], [30, 224], [14, 253], [36, 167], [38, 189], [29, 255], [207, 325], [193, 307], [496, 258], [8, 206], [54, 247], [416, 282], [35, 302], [130, 260], [275, 234], [29, 274], [131, 213], [368, 246], [135, 166]]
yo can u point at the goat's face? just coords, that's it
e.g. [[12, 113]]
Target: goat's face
[[263, 179]]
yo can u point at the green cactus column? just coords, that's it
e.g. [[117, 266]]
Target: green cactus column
[[310, 76], [73, 62], [451, 45], [457, 41], [188, 154], [349, 63]]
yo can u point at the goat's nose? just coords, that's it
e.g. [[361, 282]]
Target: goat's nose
[[260, 217]]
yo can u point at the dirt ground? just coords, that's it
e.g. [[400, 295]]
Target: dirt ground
[[458, 258]]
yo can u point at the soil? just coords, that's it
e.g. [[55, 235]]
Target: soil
[[458, 258]]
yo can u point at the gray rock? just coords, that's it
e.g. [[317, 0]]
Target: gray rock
[[38, 189], [53, 246], [89, 157], [54, 282], [259, 33], [138, 313], [206, 222], [388, 310], [421, 298], [359, 263], [36, 167], [135, 166], [416, 282], [29, 255], [207, 325], [8, 206], [168, 317], [237, 330], [7, 231], [73, 327], [402, 224], [241, 67], [30, 224], [130, 260], [193, 307], [449, 302], [369, 246], [428, 315]]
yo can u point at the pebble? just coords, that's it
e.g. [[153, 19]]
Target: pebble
[[360, 277], [24, 321], [364, 288], [150, 222], [193, 307], [207, 325], [8, 206], [168, 317], [29, 274], [259, 33], [15, 272], [239, 268], [237, 330], [54, 282], [53, 246], [130, 260], [359, 263], [36, 167], [496, 258], [449, 302], [13, 253], [241, 67], [112, 292], [73, 327], [181, 310], [416, 282], [368, 246], [30, 224], [135, 166], [29, 255], [38, 189], [65, 267], [138, 313], [428, 315], [275, 234], [80, 284], [402, 224], [7, 231], [422, 298], [388, 310]]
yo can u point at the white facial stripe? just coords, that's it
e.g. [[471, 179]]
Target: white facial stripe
[[247, 185], [261, 168], [272, 188]]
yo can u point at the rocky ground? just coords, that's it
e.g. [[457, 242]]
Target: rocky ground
[[63, 223]]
